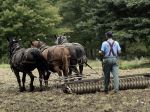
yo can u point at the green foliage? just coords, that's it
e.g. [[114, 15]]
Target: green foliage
[[128, 19], [86, 21], [137, 49], [28, 20], [136, 63]]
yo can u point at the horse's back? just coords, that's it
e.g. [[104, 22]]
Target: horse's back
[[17, 57], [76, 49], [25, 56], [57, 51]]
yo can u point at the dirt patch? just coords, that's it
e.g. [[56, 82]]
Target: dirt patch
[[56, 101]]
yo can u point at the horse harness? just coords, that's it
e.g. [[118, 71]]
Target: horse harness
[[23, 57], [43, 47]]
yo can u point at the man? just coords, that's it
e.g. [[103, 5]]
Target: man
[[110, 50]]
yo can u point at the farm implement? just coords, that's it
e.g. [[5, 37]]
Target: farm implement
[[139, 81]]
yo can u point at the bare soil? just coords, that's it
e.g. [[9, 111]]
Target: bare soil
[[11, 100]]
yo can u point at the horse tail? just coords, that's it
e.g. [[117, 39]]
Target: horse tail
[[40, 60], [65, 59]]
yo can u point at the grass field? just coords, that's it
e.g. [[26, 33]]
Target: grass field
[[54, 100], [4, 65], [123, 64]]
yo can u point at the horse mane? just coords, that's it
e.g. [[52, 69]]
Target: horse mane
[[14, 47], [61, 40], [65, 40]]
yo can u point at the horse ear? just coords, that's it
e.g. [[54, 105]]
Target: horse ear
[[31, 42], [55, 36], [8, 39], [11, 38]]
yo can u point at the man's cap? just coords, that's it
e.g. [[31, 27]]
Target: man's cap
[[109, 33]]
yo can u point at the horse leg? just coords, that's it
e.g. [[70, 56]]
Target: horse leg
[[32, 79], [77, 72], [57, 69], [65, 71], [72, 66], [81, 69], [18, 80], [41, 77], [46, 79], [70, 71], [23, 81]]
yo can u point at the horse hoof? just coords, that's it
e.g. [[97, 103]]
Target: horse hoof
[[46, 83], [31, 89], [41, 90], [21, 90], [80, 79]]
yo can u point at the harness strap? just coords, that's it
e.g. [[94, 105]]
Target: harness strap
[[111, 48], [43, 47]]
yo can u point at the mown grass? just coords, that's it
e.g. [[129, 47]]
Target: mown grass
[[136, 63], [123, 64], [4, 65]]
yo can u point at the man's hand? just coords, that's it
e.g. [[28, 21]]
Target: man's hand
[[100, 52]]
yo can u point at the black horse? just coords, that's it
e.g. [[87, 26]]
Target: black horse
[[78, 55], [25, 61]]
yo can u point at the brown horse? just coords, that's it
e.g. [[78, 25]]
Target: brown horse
[[58, 57], [25, 61], [78, 55]]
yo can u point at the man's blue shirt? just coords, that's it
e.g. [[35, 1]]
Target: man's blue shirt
[[106, 48]]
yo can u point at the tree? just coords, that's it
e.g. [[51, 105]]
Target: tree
[[128, 19], [28, 19]]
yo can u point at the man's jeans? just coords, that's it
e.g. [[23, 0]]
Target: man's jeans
[[110, 65]]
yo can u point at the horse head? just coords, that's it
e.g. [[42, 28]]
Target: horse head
[[13, 44], [61, 40], [12, 40], [37, 44]]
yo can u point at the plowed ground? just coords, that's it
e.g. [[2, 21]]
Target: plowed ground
[[11, 100]]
